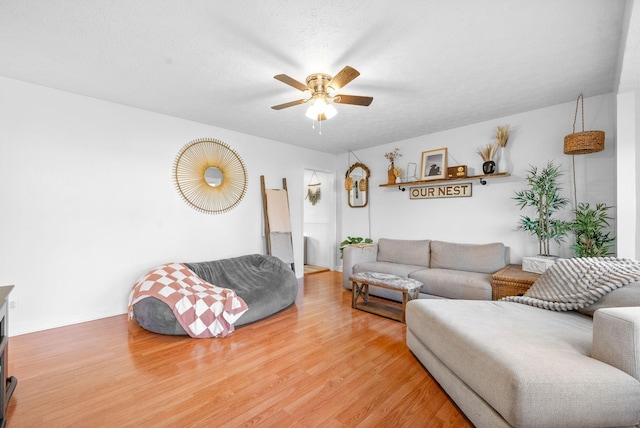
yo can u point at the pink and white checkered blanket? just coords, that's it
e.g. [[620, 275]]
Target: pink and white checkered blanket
[[202, 309]]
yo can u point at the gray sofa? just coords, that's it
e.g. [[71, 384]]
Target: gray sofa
[[509, 364], [446, 270]]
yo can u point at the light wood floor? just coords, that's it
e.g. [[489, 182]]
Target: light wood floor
[[317, 363], [311, 269]]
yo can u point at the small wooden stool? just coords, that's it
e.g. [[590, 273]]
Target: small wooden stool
[[410, 289]]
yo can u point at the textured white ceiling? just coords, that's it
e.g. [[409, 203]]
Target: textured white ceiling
[[429, 64]]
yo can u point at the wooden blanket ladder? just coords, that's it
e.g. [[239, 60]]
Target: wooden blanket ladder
[[277, 222]]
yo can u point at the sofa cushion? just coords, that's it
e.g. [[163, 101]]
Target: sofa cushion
[[616, 338], [531, 365], [398, 269], [454, 284], [484, 258], [410, 252], [629, 295]]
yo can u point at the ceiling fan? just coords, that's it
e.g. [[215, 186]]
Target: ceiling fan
[[320, 90]]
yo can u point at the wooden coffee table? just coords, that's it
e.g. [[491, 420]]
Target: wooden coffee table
[[410, 289]]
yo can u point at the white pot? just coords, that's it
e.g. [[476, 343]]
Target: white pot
[[537, 264]]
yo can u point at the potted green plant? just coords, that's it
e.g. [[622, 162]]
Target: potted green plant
[[588, 228], [543, 195], [351, 240]]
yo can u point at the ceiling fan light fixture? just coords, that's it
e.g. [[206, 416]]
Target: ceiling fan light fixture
[[311, 113], [321, 109], [320, 92], [330, 111]]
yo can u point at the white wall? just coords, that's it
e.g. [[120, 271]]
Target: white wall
[[89, 205], [490, 214], [628, 123], [636, 187], [319, 219]]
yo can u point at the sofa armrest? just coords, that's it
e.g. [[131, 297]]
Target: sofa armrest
[[616, 338], [352, 255]]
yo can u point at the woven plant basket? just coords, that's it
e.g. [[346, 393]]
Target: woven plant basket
[[580, 143], [362, 185], [348, 183]]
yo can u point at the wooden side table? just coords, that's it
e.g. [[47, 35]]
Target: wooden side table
[[511, 280]]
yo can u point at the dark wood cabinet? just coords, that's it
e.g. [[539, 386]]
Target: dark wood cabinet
[[10, 381]]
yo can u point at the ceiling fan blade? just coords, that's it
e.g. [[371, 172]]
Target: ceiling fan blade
[[291, 82], [352, 99], [290, 104], [346, 75]]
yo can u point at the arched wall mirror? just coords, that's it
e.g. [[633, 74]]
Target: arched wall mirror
[[357, 185], [210, 176]]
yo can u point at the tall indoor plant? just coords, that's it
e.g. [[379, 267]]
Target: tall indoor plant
[[588, 228], [543, 194]]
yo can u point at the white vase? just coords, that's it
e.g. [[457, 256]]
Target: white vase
[[501, 164]]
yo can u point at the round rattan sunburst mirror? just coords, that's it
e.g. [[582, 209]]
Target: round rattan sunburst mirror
[[210, 176]]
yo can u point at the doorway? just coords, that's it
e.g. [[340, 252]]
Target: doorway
[[319, 221]]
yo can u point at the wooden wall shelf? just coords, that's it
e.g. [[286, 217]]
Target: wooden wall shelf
[[483, 180]]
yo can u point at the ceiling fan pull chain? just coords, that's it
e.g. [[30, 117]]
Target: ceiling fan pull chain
[[313, 125]]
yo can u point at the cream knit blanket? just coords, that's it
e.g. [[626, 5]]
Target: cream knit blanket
[[571, 284]]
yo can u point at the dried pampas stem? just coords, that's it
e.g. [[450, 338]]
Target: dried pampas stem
[[502, 135], [488, 152]]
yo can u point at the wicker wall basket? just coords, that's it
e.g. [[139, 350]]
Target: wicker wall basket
[[580, 143], [584, 142], [348, 184]]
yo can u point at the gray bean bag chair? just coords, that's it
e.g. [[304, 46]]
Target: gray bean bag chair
[[265, 283]]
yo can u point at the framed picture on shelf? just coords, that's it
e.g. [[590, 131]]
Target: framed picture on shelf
[[434, 164]]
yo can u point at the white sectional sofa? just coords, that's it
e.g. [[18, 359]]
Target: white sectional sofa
[[446, 270], [507, 364]]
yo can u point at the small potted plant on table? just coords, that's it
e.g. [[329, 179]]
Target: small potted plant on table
[[351, 240]]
